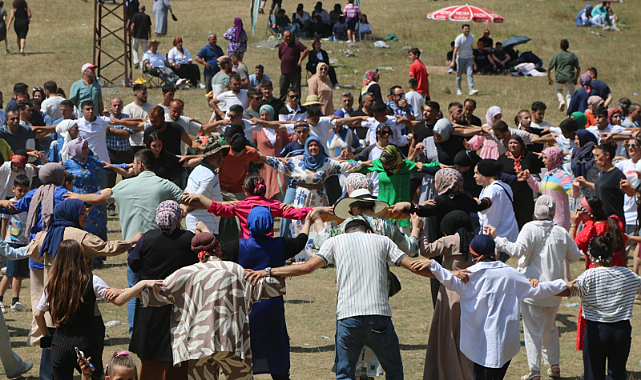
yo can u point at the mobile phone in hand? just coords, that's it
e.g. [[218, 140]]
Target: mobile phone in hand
[[81, 356]]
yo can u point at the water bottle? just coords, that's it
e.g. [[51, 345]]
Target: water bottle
[[112, 323]]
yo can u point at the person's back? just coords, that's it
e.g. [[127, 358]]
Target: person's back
[[501, 213]]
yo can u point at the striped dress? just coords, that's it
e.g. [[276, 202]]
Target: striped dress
[[557, 184]]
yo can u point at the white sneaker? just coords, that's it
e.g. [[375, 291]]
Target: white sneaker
[[181, 83], [561, 107], [4, 311], [474, 92], [200, 85], [459, 92], [18, 307], [449, 70], [336, 87]]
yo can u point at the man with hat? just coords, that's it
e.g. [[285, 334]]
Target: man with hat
[[87, 88], [204, 180], [154, 62]]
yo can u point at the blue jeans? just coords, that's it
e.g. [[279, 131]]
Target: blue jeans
[[375, 331], [294, 28], [285, 224], [46, 369], [465, 66], [133, 279]]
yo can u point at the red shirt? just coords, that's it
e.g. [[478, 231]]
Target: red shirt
[[234, 169], [418, 71], [289, 56]]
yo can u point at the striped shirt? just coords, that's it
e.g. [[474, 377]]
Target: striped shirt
[[607, 293], [351, 10], [361, 272]]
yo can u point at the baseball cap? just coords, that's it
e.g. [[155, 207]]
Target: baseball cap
[[88, 66]]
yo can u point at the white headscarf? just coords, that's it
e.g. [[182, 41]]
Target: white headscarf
[[63, 130], [491, 112]]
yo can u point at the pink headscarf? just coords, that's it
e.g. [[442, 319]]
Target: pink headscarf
[[491, 112], [238, 24], [74, 149], [586, 82], [611, 112], [554, 155]]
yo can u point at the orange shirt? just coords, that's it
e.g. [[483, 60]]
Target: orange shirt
[[234, 169]]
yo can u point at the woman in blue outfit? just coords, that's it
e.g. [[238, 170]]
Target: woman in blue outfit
[[270, 341], [85, 172]]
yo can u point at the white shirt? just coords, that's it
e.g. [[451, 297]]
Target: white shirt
[[565, 143], [542, 249], [293, 115], [501, 214], [7, 176], [397, 137], [465, 46], [137, 112], [361, 272], [99, 288], [228, 99], [417, 102], [203, 181], [609, 129], [51, 106], [95, 133], [629, 203], [177, 57], [320, 130], [490, 305], [248, 128], [155, 60]]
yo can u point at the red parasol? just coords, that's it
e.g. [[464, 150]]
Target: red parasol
[[465, 13]]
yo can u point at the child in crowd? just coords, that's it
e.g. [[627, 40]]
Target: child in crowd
[[9, 170], [12, 231], [120, 367]]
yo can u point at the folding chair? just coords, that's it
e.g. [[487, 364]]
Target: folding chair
[[274, 32], [152, 79]]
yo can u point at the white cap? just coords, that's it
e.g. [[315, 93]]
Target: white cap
[[87, 66]]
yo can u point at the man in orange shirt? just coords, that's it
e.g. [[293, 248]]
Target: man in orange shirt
[[418, 71]]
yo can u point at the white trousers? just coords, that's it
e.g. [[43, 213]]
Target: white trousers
[[564, 92], [10, 360], [541, 335], [139, 42]]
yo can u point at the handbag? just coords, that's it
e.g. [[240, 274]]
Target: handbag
[[393, 283], [173, 17]]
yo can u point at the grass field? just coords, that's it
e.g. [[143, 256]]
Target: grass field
[[60, 41]]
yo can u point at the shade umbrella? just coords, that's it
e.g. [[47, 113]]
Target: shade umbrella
[[465, 13], [516, 40]]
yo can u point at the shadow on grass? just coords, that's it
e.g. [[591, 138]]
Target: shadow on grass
[[118, 341], [564, 324], [296, 302], [307, 350], [34, 53]]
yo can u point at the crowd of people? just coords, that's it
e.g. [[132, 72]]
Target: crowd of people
[[362, 185]]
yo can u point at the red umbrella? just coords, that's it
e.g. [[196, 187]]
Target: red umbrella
[[465, 13]]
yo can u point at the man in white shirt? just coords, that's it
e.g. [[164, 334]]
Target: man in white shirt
[[168, 93], [138, 109], [381, 118], [237, 95], [415, 99], [94, 129], [463, 59], [292, 111], [51, 105], [363, 313], [538, 113], [188, 124], [154, 62], [604, 129]]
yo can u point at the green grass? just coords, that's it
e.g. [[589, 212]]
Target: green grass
[[60, 41]]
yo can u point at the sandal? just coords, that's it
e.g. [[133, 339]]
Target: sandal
[[531, 376], [554, 374]]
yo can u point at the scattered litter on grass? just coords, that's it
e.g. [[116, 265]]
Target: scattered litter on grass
[[386, 68], [381, 44], [572, 304], [356, 72], [348, 86], [112, 323], [324, 337]]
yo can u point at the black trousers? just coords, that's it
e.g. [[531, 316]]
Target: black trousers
[[603, 341], [287, 81], [191, 72], [486, 373], [117, 157], [333, 189]]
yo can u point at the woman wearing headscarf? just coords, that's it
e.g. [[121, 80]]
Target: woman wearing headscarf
[[269, 338], [158, 254], [584, 17], [582, 160], [320, 85], [516, 160], [556, 183], [594, 101], [67, 130], [489, 148], [543, 249], [490, 305], [580, 97], [85, 171], [270, 143], [615, 116], [444, 359], [581, 119], [237, 38], [310, 171], [316, 56], [370, 84]]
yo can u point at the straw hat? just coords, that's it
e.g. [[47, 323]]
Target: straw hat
[[343, 206], [312, 100]]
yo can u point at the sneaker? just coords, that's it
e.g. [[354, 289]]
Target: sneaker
[[26, 367], [459, 92], [336, 87], [4, 311], [200, 85], [111, 212], [449, 70], [18, 307], [561, 107], [474, 92], [181, 83]]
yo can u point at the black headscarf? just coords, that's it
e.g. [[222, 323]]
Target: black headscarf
[[489, 168], [466, 158], [582, 158], [459, 221]]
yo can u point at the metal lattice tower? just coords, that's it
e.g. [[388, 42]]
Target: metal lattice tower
[[112, 42]]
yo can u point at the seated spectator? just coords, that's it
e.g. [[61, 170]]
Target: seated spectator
[[154, 63], [339, 30], [602, 15], [316, 56], [364, 28], [584, 17], [335, 13], [500, 57], [180, 61], [283, 23], [304, 20], [483, 62], [258, 77], [488, 42], [319, 11], [320, 30], [449, 59]]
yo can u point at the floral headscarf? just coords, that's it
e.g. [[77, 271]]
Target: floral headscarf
[[586, 82], [168, 216], [391, 156], [491, 112], [554, 155], [357, 181], [370, 76], [448, 181]]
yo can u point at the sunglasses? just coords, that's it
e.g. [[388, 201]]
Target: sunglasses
[[631, 145], [294, 96], [258, 98], [233, 115], [323, 69]]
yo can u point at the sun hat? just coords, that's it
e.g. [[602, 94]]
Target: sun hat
[[312, 100], [213, 148], [342, 207]]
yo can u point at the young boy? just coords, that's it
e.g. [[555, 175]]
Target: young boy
[[12, 231], [415, 99], [9, 170]]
